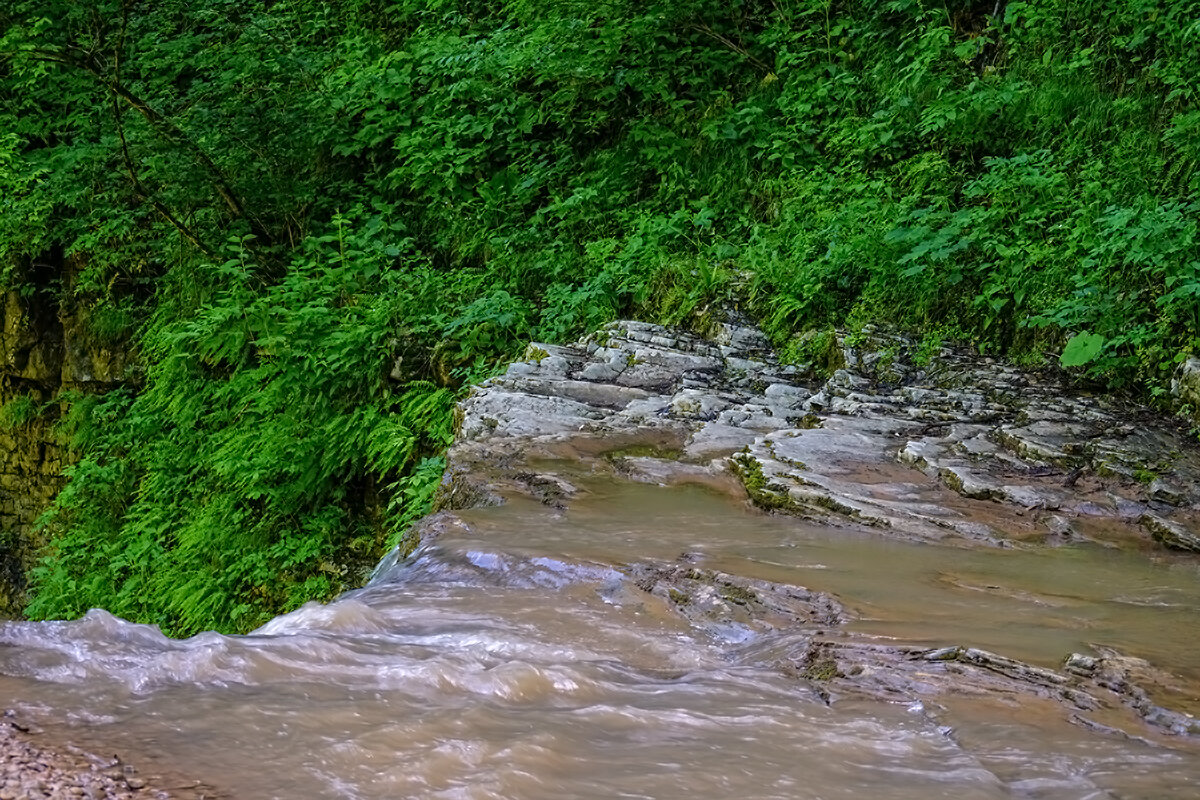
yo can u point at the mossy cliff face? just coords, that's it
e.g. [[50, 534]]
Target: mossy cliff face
[[43, 351]]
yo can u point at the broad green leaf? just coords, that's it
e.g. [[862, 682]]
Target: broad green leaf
[[1082, 348]]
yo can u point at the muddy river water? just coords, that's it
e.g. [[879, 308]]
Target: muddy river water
[[511, 658]]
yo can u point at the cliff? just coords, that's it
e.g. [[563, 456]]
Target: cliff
[[45, 350]]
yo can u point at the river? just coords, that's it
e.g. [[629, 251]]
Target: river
[[512, 657]]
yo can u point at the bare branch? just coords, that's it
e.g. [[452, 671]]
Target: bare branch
[[734, 46], [161, 124]]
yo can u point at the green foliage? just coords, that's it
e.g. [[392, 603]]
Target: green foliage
[[1081, 348], [321, 221], [816, 347], [18, 411], [1019, 178]]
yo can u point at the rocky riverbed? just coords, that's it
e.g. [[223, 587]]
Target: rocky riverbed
[[955, 450], [959, 448], [662, 563], [38, 765]]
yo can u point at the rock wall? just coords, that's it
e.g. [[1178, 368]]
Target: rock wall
[[44, 349]]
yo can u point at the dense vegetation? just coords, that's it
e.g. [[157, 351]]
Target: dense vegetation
[[314, 222]]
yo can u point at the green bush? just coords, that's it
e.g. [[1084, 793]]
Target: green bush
[[291, 202]]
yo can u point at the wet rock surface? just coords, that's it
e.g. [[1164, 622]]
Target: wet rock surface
[[807, 635], [839, 665], [1088, 686], [731, 606], [960, 450]]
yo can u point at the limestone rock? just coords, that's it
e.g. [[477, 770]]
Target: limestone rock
[[1185, 386], [962, 448], [44, 349], [1171, 534]]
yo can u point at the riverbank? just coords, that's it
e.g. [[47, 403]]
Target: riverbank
[[873, 434], [662, 562], [36, 764], [943, 447]]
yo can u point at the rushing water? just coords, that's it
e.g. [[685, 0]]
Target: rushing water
[[512, 660]]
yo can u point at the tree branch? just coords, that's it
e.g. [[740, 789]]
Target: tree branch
[[734, 46], [163, 126], [134, 179]]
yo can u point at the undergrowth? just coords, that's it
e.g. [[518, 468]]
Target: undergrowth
[[316, 222]]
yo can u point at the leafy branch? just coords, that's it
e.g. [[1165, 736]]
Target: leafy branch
[[89, 63], [708, 31], [138, 186]]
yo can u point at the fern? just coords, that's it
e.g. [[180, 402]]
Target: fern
[[318, 222]]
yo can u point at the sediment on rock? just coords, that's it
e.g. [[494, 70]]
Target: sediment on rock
[[1087, 684], [841, 665], [717, 600]]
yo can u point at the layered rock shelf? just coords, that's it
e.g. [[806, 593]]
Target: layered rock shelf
[[958, 448], [950, 448]]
